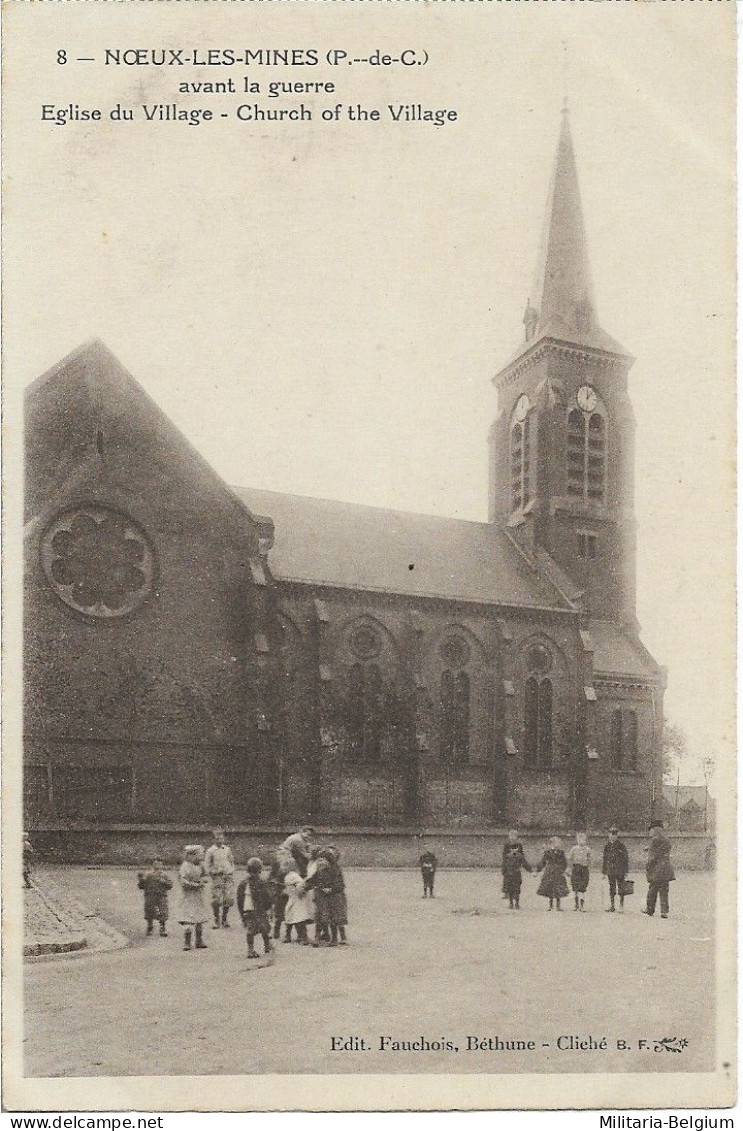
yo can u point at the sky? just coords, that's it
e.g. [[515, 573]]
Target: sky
[[321, 307]]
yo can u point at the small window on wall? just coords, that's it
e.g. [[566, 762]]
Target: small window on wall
[[93, 793], [588, 545]]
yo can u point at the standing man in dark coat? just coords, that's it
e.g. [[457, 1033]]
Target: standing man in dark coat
[[658, 870], [615, 867]]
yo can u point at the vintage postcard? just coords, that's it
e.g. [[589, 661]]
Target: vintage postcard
[[369, 558]]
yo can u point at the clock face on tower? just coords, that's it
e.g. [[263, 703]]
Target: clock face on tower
[[522, 407], [586, 398]]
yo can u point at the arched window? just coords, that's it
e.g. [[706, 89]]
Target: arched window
[[447, 711], [462, 717], [520, 464], [576, 450], [623, 740], [586, 456], [631, 737], [538, 722], [596, 458], [356, 709], [373, 711], [531, 721], [455, 716], [365, 710], [617, 753], [544, 753], [292, 697]]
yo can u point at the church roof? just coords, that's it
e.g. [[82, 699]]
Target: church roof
[[345, 545], [562, 304], [616, 653]]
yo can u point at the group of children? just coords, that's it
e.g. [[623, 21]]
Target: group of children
[[555, 863], [303, 885]]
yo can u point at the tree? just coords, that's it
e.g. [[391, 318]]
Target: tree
[[675, 749]]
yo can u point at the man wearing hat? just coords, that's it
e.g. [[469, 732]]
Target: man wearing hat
[[615, 867], [658, 870]]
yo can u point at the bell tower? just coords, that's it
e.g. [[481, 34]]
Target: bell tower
[[562, 443]]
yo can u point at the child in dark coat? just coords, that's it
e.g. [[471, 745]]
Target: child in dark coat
[[329, 886], [513, 861], [553, 885], [155, 884], [615, 867], [253, 905], [278, 894], [338, 902], [427, 864]]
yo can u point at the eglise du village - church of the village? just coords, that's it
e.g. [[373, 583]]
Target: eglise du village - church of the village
[[196, 652]]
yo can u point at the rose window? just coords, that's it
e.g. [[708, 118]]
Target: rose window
[[98, 561], [366, 642], [455, 651]]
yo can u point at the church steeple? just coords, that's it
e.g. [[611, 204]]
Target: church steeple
[[561, 469], [562, 302], [563, 287]]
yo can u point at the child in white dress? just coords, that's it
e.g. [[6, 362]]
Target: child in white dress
[[299, 909], [192, 912]]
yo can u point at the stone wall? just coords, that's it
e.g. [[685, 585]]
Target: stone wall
[[371, 848]]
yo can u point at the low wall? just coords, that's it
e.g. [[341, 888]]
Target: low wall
[[371, 848]]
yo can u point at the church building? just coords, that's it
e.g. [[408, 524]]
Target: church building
[[197, 652]]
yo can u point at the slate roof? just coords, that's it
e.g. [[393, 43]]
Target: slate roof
[[615, 653], [349, 546]]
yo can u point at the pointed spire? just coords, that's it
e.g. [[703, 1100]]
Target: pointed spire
[[563, 288], [561, 304]]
